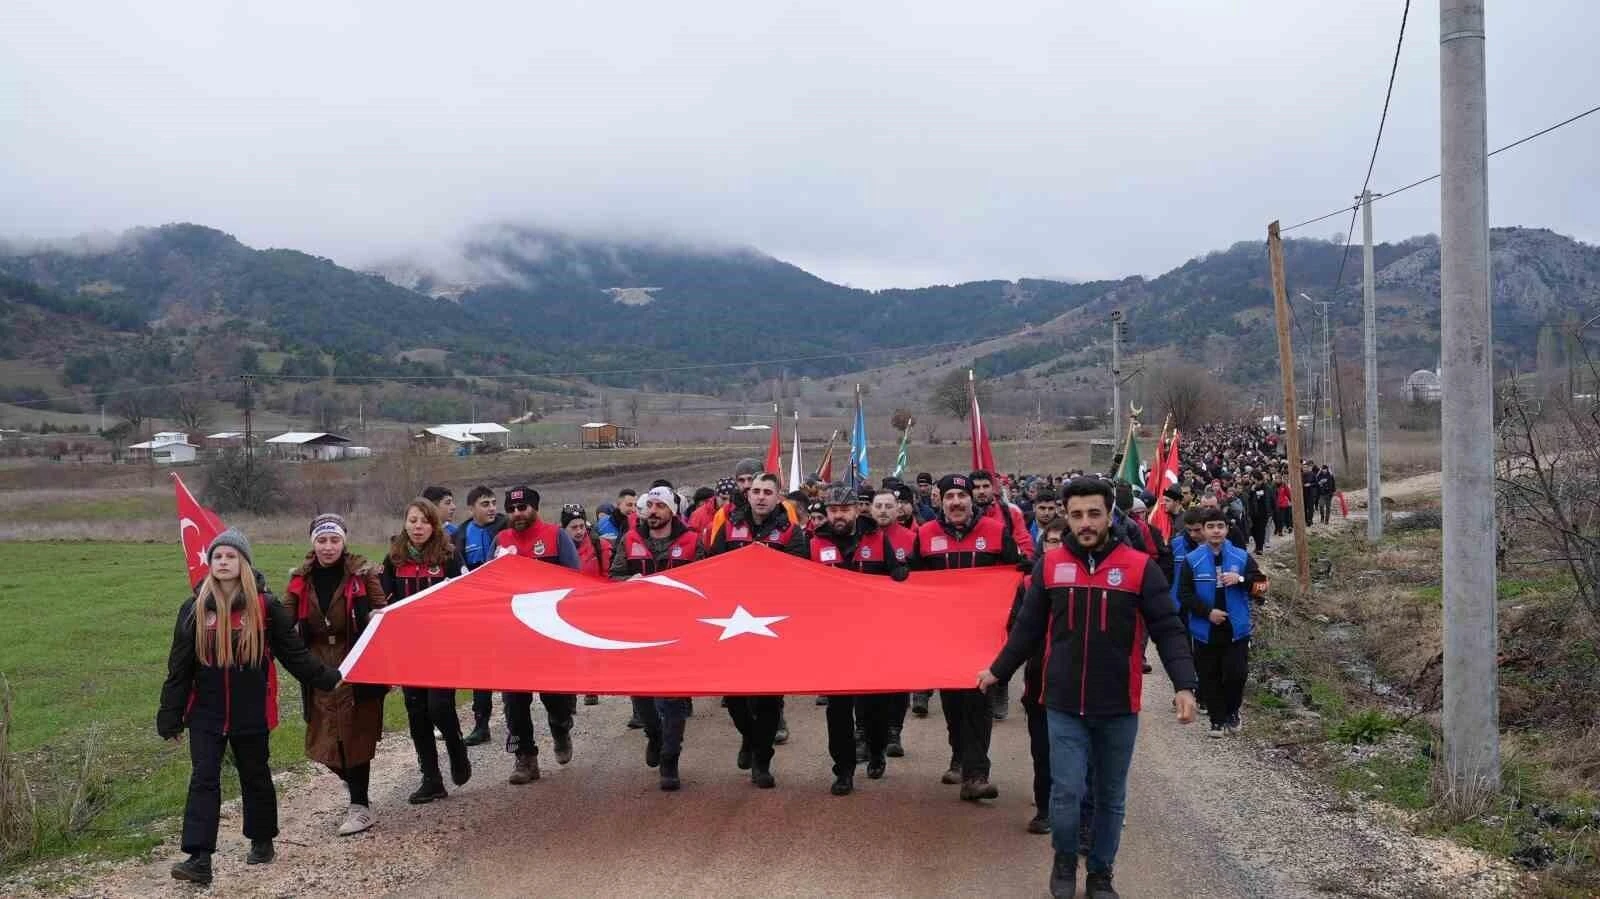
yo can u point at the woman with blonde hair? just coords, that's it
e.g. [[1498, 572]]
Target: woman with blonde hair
[[420, 556], [222, 686], [331, 596]]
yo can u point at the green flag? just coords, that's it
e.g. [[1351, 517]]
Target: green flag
[[1130, 463], [900, 462]]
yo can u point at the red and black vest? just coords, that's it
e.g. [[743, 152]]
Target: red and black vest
[[541, 540], [1094, 641], [875, 552], [681, 551], [776, 533], [980, 547]]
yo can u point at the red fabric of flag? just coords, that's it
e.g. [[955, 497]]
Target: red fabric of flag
[[197, 527], [753, 621], [982, 453], [773, 463]]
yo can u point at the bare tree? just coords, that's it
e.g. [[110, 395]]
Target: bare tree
[[190, 407], [950, 394], [133, 403], [902, 419], [633, 409], [1190, 394]]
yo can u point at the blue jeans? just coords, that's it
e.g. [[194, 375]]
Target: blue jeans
[[1077, 743]]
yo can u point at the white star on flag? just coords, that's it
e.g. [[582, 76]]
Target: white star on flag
[[742, 622]]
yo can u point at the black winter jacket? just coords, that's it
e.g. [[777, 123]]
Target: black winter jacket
[[238, 699]]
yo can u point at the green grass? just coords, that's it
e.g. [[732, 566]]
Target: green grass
[[1400, 781], [87, 629]]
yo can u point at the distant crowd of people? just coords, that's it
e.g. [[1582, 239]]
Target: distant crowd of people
[[1100, 580]]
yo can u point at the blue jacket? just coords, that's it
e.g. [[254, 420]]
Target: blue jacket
[[1200, 582], [1180, 548]]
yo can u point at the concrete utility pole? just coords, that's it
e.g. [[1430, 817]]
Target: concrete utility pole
[[1369, 303], [1116, 377], [1280, 302], [1471, 638], [1325, 408]]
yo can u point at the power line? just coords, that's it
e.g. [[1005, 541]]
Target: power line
[[1435, 176], [1387, 94]]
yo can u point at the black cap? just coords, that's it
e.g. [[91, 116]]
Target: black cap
[[924, 478], [955, 482], [517, 496], [865, 493], [1173, 492], [905, 494]]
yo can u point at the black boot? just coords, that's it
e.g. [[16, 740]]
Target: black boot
[[761, 776], [194, 869], [876, 765], [479, 734], [460, 764], [563, 741], [1039, 824], [919, 704], [591, 699], [895, 750], [1097, 885], [782, 736], [652, 750], [843, 785], [669, 773], [432, 788], [261, 853], [635, 722], [742, 760], [1064, 876]]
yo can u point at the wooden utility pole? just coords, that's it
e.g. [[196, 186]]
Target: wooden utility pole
[[1280, 303]]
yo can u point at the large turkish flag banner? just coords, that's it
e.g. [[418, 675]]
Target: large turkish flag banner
[[754, 621]]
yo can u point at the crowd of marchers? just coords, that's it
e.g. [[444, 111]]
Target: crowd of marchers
[[1102, 577]]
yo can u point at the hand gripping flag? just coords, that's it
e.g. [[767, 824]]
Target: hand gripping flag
[[197, 527], [753, 621]]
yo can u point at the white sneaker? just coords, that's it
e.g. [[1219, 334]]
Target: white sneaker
[[359, 818]]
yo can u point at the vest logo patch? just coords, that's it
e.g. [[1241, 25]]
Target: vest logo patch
[[939, 545], [677, 552], [538, 548], [1114, 577], [504, 551], [899, 555], [866, 552], [637, 551], [830, 554], [739, 533], [1065, 572], [982, 544]]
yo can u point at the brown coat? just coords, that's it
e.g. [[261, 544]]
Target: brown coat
[[342, 726]]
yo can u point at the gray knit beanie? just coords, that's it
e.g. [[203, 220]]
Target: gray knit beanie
[[746, 467], [231, 537]]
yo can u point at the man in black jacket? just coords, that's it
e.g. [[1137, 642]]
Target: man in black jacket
[[1093, 598], [1325, 490]]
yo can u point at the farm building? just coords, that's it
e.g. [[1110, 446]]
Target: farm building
[[486, 431], [605, 435], [164, 448], [442, 440], [305, 446], [225, 440]]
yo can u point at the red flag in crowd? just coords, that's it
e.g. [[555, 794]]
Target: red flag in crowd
[[772, 462], [825, 467], [982, 453], [753, 621], [197, 527], [1165, 475]]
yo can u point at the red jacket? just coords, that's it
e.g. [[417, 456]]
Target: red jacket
[[1285, 498], [592, 561]]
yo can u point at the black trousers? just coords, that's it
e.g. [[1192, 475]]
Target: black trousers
[[1039, 748], [482, 707], [757, 717], [872, 713], [427, 709], [1325, 506], [969, 719], [558, 708], [203, 809], [1223, 668], [899, 705], [1258, 533], [1311, 507]]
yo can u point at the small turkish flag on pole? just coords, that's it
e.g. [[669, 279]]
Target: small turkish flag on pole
[[772, 463], [197, 527], [982, 452], [753, 621]]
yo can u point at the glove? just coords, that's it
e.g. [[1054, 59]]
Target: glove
[[1025, 567], [899, 573]]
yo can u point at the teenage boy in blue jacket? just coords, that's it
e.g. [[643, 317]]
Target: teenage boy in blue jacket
[[1215, 586]]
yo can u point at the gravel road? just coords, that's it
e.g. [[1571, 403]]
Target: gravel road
[[1205, 819]]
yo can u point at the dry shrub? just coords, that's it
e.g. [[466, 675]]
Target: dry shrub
[[19, 831]]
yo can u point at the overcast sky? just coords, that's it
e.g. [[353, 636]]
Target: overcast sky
[[878, 144]]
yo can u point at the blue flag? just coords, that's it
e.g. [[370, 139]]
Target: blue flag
[[858, 444]]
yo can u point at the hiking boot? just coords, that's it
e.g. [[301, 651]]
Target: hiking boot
[[976, 788], [894, 750], [652, 752], [782, 736], [635, 723], [1039, 824], [261, 853], [591, 699], [843, 785], [356, 820], [1064, 876], [919, 705], [742, 760], [1097, 885], [432, 788], [762, 777], [669, 773], [822, 700], [194, 869], [1216, 730], [876, 766], [952, 775], [478, 736], [460, 766], [563, 741], [526, 769], [1147, 668], [1233, 725]]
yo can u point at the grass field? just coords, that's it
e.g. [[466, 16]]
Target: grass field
[[88, 626]]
